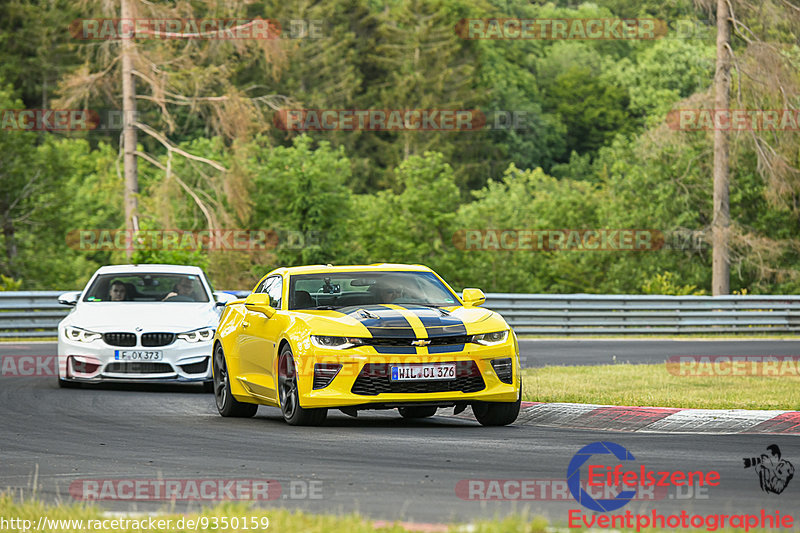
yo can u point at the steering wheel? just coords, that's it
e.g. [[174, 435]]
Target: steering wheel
[[179, 298]]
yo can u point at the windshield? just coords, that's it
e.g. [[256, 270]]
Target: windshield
[[143, 287], [343, 289]]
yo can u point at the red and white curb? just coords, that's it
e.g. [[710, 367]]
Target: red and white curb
[[659, 419]]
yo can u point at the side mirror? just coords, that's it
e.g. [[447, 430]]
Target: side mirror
[[223, 298], [69, 298], [473, 297], [259, 302]]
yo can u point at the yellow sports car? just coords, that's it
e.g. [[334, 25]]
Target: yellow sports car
[[312, 338]]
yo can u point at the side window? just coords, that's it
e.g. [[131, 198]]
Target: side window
[[208, 280], [262, 287], [274, 287]]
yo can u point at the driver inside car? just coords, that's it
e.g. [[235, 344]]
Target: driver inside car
[[183, 291], [386, 293]]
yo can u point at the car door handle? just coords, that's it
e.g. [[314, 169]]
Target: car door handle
[[245, 324]]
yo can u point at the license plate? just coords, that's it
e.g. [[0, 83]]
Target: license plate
[[138, 355], [440, 371]]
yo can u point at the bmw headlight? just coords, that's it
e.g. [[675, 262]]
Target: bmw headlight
[[81, 335], [335, 343], [198, 335], [490, 339]]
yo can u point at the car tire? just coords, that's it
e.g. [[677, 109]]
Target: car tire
[[289, 396], [496, 413], [227, 405], [417, 412], [66, 384]]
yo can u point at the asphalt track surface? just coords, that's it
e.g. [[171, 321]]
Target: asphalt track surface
[[378, 464], [541, 352]]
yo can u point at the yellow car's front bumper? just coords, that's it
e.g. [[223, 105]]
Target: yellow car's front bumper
[[355, 385]]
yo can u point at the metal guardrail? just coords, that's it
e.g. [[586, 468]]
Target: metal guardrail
[[30, 313], [37, 313], [625, 313]]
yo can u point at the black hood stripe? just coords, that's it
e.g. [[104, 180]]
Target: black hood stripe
[[436, 323], [387, 322], [384, 321]]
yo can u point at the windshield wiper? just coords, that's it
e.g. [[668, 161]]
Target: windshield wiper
[[443, 311], [326, 308]]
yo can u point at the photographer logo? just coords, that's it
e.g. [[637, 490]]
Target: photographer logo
[[774, 473], [623, 478], [574, 477]]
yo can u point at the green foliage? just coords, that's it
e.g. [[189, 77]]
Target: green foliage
[[9, 284], [35, 48], [667, 283], [302, 191], [593, 110], [41, 202], [660, 74], [415, 224], [593, 150], [189, 255], [527, 200]]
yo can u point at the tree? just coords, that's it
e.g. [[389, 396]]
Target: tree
[[50, 186], [420, 63], [720, 224], [759, 41], [414, 225], [176, 75], [529, 200], [20, 181], [301, 193], [35, 51]]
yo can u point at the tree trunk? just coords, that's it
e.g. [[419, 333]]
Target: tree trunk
[[129, 130], [720, 226], [11, 246]]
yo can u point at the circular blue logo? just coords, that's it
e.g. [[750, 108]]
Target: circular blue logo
[[574, 476]]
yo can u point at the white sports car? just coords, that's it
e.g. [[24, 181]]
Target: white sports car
[[140, 323]]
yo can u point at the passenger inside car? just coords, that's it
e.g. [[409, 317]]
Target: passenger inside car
[[118, 292]]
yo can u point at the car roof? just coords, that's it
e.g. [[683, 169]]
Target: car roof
[[376, 267], [150, 269]]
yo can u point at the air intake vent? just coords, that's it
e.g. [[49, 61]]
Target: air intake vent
[[120, 339], [139, 368], [196, 368], [407, 341], [504, 369], [157, 339], [324, 374]]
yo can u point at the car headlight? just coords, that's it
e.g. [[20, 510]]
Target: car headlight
[[490, 339], [198, 335], [335, 343], [81, 335]]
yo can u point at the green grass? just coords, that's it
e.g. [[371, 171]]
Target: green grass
[[280, 520], [28, 339], [654, 386], [672, 336]]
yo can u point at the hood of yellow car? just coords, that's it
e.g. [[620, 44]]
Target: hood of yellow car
[[399, 320]]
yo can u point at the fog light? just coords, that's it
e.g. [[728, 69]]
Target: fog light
[[504, 369], [196, 368], [324, 374], [83, 366]]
